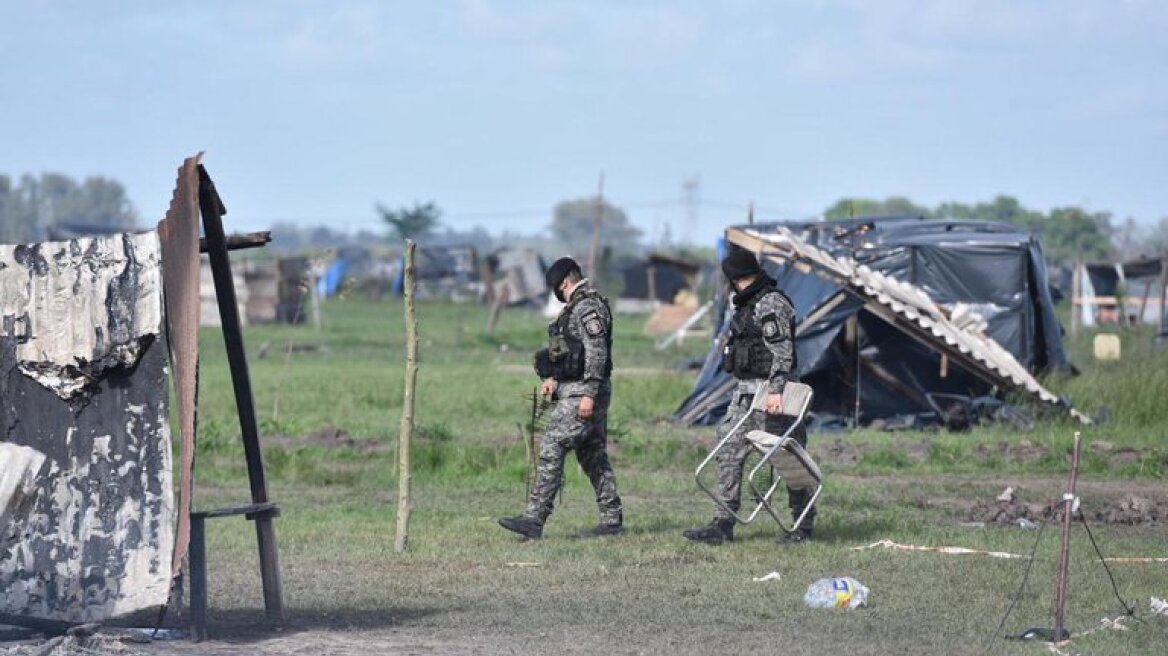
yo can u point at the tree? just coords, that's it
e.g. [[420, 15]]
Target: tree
[[572, 227], [846, 208], [53, 200], [411, 222]]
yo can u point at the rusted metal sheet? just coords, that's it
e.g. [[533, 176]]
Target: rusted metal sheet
[[83, 382], [908, 308], [179, 236]]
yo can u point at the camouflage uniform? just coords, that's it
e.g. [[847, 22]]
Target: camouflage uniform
[[590, 321], [773, 316]]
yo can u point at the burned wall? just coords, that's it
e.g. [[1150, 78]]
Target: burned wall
[[83, 381]]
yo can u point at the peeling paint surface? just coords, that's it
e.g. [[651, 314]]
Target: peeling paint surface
[[78, 307], [83, 381], [19, 466]]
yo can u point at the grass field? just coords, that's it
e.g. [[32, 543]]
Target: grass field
[[330, 404]]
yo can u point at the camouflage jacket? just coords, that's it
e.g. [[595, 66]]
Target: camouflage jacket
[[774, 314], [589, 321]]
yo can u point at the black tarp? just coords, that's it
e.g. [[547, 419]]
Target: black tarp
[[668, 280], [991, 268]]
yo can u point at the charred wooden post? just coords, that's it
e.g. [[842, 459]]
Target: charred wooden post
[[406, 433], [212, 209]]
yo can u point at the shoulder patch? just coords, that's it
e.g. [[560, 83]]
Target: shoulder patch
[[593, 324], [771, 330]]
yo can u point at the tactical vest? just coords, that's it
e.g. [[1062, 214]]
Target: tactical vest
[[563, 359], [746, 355]]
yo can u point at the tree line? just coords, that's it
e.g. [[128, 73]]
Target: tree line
[[1066, 233], [52, 205]]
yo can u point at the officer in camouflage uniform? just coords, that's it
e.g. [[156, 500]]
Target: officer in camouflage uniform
[[761, 349], [575, 369]]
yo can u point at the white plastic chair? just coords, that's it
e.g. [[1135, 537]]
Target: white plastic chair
[[796, 401]]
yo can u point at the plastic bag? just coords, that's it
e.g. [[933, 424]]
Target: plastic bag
[[840, 592]]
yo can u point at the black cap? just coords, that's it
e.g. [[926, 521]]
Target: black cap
[[739, 264], [560, 270]]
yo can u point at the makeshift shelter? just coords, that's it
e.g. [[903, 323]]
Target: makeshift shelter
[[899, 316], [659, 278], [444, 272], [514, 276], [1121, 293]]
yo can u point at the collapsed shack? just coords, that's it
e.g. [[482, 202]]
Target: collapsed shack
[[900, 318]]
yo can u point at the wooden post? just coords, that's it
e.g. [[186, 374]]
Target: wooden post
[[596, 221], [406, 433], [1164, 296], [212, 209], [1076, 297], [501, 300], [1060, 599]]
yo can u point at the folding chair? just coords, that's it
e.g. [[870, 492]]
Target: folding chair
[[796, 401], [789, 460]]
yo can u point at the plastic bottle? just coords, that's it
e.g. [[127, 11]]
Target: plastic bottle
[[840, 592]]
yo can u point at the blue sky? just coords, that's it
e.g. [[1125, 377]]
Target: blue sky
[[314, 111]]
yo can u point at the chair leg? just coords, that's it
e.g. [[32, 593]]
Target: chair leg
[[198, 567]]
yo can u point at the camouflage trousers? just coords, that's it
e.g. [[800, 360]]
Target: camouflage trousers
[[732, 458], [566, 431]]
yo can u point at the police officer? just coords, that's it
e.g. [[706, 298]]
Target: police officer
[[575, 369], [760, 350]]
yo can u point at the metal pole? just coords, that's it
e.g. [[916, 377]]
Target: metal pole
[[1060, 602]]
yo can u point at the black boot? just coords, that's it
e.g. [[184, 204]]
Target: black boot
[[601, 530], [528, 528], [799, 536], [798, 500], [716, 532]]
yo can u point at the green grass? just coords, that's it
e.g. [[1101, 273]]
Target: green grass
[[649, 591]]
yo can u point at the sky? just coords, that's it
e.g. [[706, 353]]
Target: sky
[[313, 112]]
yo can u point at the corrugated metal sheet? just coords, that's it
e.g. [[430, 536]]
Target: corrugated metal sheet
[[83, 382], [909, 308], [178, 233]]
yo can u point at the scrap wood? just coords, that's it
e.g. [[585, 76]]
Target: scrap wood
[[959, 551]]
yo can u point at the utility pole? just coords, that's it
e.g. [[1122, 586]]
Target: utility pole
[[596, 222], [691, 198]]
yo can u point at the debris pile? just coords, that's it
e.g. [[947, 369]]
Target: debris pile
[[1131, 509], [1004, 510]]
